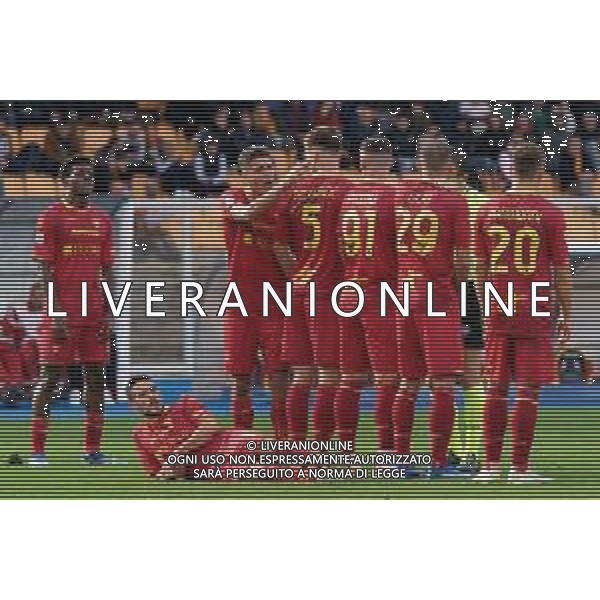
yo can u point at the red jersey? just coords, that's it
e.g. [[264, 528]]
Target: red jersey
[[366, 234], [77, 243], [311, 207], [252, 258], [521, 239], [432, 223], [155, 438]]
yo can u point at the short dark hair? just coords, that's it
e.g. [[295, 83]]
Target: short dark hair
[[435, 156], [247, 155], [135, 380], [527, 159], [69, 165], [325, 138], [376, 144]]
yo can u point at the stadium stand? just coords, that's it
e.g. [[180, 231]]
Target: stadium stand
[[147, 149]]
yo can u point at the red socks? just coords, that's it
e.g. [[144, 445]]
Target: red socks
[[278, 418], [523, 428], [243, 411], [297, 411], [384, 402], [441, 424], [323, 413], [39, 433], [495, 418], [403, 415], [94, 425], [347, 410]]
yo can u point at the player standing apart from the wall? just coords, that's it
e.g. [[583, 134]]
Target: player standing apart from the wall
[[73, 245], [368, 340], [252, 250], [520, 240], [433, 236]]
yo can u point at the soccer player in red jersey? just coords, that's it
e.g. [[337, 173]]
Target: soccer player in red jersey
[[432, 235], [185, 427], [253, 250], [310, 206], [368, 340], [73, 245], [520, 239], [307, 202]]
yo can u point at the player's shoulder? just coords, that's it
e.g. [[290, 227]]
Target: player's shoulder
[[98, 212], [53, 209]]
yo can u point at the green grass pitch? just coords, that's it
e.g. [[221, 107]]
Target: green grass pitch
[[566, 449]]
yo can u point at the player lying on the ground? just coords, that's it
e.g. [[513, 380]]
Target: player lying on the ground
[[185, 427], [520, 240]]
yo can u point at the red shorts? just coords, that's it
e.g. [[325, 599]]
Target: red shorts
[[314, 340], [86, 343], [368, 340], [11, 373], [430, 345], [530, 361], [245, 336]]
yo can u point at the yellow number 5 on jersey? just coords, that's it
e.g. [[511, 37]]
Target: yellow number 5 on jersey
[[310, 218]]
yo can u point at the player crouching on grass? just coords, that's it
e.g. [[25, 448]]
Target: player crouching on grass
[[185, 427]]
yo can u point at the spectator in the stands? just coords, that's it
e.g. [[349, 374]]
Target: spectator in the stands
[[462, 138], [156, 148], [210, 168], [245, 135], [419, 118], [569, 163], [294, 118], [263, 121], [327, 114], [540, 117], [475, 110], [222, 131], [5, 144], [62, 141], [362, 124], [495, 138], [131, 138], [589, 133], [403, 138], [555, 139], [524, 126]]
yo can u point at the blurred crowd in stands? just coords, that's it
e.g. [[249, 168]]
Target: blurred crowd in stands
[[154, 148]]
